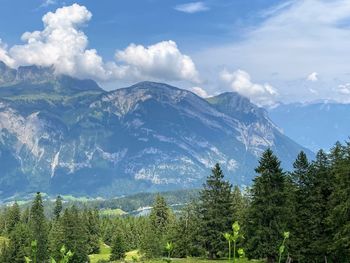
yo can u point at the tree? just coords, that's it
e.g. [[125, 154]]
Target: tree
[[38, 228], [13, 217], [75, 235], [215, 210], [339, 217], [160, 214], [58, 207], [92, 222], [302, 209], [186, 233], [18, 245], [239, 204], [118, 247], [268, 213]]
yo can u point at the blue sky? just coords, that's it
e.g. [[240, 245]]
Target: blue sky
[[269, 51]]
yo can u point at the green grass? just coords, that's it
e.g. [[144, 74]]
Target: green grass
[[105, 252], [112, 212]]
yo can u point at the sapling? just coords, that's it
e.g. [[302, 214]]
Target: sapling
[[236, 235], [282, 247], [228, 237], [34, 248], [233, 238], [65, 256], [169, 247], [241, 253]]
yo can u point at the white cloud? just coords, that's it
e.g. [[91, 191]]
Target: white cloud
[[4, 56], [200, 92], [48, 3], [303, 36], [344, 89], [240, 81], [63, 44], [312, 77], [162, 60], [191, 8]]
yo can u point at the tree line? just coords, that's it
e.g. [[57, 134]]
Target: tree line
[[306, 209]]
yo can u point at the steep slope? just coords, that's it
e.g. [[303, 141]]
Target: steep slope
[[63, 135], [315, 125]]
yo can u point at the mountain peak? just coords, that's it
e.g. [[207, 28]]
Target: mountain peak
[[237, 106]]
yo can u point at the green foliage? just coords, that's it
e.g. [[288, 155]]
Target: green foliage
[[38, 228], [58, 207], [118, 248], [215, 212], [65, 256], [268, 213], [282, 246]]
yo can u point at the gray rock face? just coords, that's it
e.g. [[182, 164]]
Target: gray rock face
[[63, 135]]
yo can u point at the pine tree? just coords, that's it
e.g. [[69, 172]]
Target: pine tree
[[321, 188], [239, 204], [91, 218], [58, 207], [18, 246], [185, 235], [302, 202], [75, 235], [160, 214], [216, 212], [339, 217], [13, 217], [118, 247], [38, 227], [268, 213]]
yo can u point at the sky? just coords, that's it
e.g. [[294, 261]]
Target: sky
[[269, 51]]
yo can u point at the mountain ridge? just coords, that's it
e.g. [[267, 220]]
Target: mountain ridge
[[68, 136]]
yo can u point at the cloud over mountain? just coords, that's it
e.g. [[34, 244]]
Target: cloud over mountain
[[63, 44], [240, 81]]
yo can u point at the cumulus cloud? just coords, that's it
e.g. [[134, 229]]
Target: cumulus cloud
[[4, 56], [191, 8], [312, 77], [63, 44], [162, 60], [240, 81], [200, 92]]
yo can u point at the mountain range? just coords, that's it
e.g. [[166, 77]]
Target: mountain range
[[315, 125], [64, 135]]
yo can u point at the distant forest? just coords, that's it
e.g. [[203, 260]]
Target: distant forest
[[298, 216]]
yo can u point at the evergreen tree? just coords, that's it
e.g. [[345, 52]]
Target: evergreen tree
[[321, 188], [75, 235], [216, 212], [239, 204], [118, 247], [339, 218], [92, 222], [13, 217], [302, 205], [18, 246], [38, 228], [160, 214], [56, 238], [268, 213], [185, 235], [58, 207]]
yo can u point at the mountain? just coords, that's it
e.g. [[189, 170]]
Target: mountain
[[316, 125], [63, 135]]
